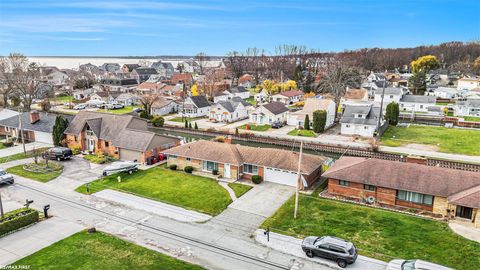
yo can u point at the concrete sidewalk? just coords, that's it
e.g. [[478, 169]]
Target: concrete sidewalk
[[5, 152], [155, 207], [431, 154], [468, 232], [22, 243], [292, 246]]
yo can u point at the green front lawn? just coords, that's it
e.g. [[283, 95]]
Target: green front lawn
[[471, 118], [251, 100], [21, 155], [377, 233], [63, 99], [239, 189], [39, 172], [124, 110], [182, 120], [302, 132], [255, 127], [448, 140], [173, 187], [100, 251]]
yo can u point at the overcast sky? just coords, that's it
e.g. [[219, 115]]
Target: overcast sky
[[138, 28]]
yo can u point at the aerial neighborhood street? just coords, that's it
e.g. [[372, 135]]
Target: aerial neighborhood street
[[135, 137]]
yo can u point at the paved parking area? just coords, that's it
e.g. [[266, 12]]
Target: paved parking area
[[76, 172]]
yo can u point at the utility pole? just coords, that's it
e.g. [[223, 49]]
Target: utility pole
[[1, 207], [381, 109], [299, 178], [20, 128]]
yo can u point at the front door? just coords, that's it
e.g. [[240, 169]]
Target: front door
[[464, 212], [227, 171], [91, 144]]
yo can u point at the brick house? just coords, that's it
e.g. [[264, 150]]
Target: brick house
[[124, 137], [233, 161], [448, 193]]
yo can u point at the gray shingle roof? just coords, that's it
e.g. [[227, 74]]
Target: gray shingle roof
[[418, 99], [474, 103], [145, 71], [390, 91], [200, 101], [45, 124], [237, 89], [276, 107], [348, 116], [231, 105]]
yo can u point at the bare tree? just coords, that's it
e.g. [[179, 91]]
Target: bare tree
[[147, 102], [202, 60], [335, 78], [210, 80]]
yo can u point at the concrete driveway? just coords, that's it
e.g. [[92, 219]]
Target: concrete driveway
[[264, 199], [76, 172]]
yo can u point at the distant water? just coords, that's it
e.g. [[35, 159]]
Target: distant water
[[75, 62]]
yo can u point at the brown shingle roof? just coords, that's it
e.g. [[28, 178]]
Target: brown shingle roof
[[292, 93], [276, 107], [355, 93], [239, 154], [413, 177]]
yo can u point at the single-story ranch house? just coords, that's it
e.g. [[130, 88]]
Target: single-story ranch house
[[444, 192], [235, 161], [123, 137]]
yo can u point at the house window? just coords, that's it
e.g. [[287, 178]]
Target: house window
[[7, 129], [344, 183], [369, 187], [188, 159], [464, 212], [107, 144], [172, 156], [347, 126], [365, 127], [209, 166], [391, 96], [415, 197], [250, 169]]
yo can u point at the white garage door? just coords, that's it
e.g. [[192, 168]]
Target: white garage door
[[129, 155], [280, 176], [43, 137]]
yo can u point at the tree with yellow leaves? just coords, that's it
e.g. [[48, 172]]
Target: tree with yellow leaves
[[425, 64], [194, 90], [309, 95], [289, 85]]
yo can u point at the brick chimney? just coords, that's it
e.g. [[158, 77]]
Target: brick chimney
[[417, 160], [34, 116]]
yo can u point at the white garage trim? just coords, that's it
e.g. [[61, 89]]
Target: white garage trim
[[280, 176], [43, 137]]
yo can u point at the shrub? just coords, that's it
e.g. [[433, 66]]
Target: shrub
[[392, 113], [173, 167], [257, 179], [196, 126], [17, 219], [188, 169], [219, 139], [236, 131], [319, 120], [215, 172], [306, 124], [190, 125], [8, 143], [158, 121], [146, 115], [186, 124], [75, 149]]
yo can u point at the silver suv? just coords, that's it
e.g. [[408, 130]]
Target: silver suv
[[6, 178], [329, 247]]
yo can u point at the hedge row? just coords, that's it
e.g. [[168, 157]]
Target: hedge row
[[17, 219]]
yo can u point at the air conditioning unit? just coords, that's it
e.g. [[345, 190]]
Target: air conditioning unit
[[370, 200]]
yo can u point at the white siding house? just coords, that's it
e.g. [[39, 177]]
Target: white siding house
[[229, 111], [268, 113], [195, 106], [416, 103], [361, 120], [313, 104]]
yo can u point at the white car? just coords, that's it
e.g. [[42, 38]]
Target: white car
[[414, 265], [80, 106], [6, 178], [121, 166]]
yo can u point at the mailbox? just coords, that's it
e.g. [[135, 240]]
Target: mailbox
[[45, 210], [27, 203]]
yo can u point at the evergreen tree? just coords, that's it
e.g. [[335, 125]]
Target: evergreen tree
[[392, 113], [58, 133], [186, 123], [319, 121], [196, 126], [306, 125], [190, 125], [418, 83]]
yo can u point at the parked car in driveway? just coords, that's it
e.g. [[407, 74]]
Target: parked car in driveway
[[80, 106], [120, 166], [117, 106], [6, 178], [332, 248], [278, 124], [399, 264], [58, 153]]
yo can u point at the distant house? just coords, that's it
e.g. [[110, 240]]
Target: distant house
[[195, 106], [288, 97], [450, 193], [110, 67], [82, 93], [164, 106], [361, 120], [261, 97], [149, 87], [468, 83], [127, 68], [229, 110], [124, 137], [376, 77], [237, 91], [353, 95], [107, 97], [268, 113], [233, 161], [392, 94], [246, 81], [142, 74], [313, 104], [121, 85], [443, 92], [185, 79], [89, 67], [36, 126], [57, 78], [469, 107], [416, 103], [127, 99], [164, 69]]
